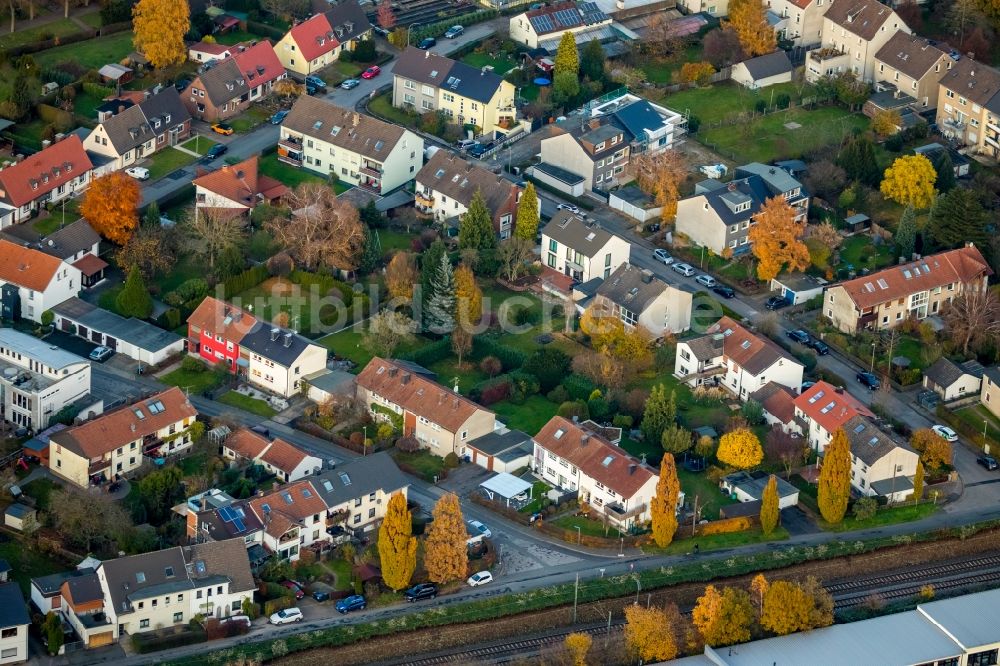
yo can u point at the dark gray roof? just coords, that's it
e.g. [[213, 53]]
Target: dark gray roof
[[18, 510], [519, 451], [602, 133], [589, 288], [137, 332], [792, 166], [634, 196], [284, 349], [224, 82], [944, 372], [348, 12], [993, 373], [777, 180], [705, 347], [85, 588], [136, 124], [913, 55], [769, 65], [559, 173], [974, 81], [753, 484], [13, 612], [586, 238], [415, 368], [225, 560], [868, 442], [447, 74], [899, 484], [632, 288], [359, 477], [71, 239], [132, 577], [332, 381], [638, 117], [210, 522], [494, 443], [49, 585], [724, 200]]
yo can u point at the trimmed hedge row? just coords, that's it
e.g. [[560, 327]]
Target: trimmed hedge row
[[439, 28], [144, 643], [265, 30], [246, 280], [510, 358]]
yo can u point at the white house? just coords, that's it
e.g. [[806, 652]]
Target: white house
[[278, 457], [32, 281], [279, 360], [581, 250], [853, 33], [59, 171], [880, 466], [954, 381], [824, 409], [136, 132], [640, 300], [13, 625], [729, 355], [547, 24], [236, 188]]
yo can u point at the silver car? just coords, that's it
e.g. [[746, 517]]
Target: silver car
[[684, 269]]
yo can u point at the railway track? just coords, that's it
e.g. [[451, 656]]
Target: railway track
[[946, 576]]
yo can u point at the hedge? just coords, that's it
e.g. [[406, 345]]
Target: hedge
[[152, 642], [272, 606], [510, 358], [430, 354], [97, 90], [55, 116], [45, 44], [265, 30], [439, 28], [578, 386], [246, 280], [726, 525]]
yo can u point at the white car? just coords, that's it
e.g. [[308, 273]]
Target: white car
[[714, 170], [479, 527], [945, 433], [661, 255], [684, 269], [286, 616], [569, 207], [139, 173], [706, 280], [481, 578]]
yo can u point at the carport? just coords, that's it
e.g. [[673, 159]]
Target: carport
[[507, 489]]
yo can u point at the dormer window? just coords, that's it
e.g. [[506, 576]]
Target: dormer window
[[599, 146], [166, 117]]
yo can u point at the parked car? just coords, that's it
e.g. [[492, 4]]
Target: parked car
[[480, 149], [421, 591], [799, 336], [296, 589], [380, 31], [182, 84], [218, 150], [454, 31], [570, 207], [776, 303], [661, 255], [321, 595], [945, 433], [222, 128], [819, 347], [724, 291], [479, 527], [870, 380], [806, 386], [684, 269], [139, 173], [279, 116], [351, 603], [101, 354], [286, 616], [465, 144], [481, 578], [350, 84], [371, 72], [426, 43], [989, 462], [706, 280], [315, 81]]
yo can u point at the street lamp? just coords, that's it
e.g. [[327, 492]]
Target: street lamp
[[364, 442], [579, 536], [638, 588], [873, 359], [986, 447]]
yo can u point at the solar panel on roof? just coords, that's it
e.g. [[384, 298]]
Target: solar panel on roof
[[227, 514], [542, 23], [239, 525]]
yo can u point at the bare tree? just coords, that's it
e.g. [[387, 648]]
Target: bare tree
[[323, 230], [826, 178], [660, 38], [973, 318], [514, 255], [781, 447], [85, 519], [208, 232], [386, 331]]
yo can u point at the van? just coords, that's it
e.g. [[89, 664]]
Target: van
[[683, 269]]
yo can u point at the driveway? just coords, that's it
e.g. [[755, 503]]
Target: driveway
[[797, 522]]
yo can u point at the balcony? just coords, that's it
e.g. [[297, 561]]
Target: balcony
[[290, 151], [98, 467], [288, 537], [617, 512], [375, 171], [954, 124], [424, 200], [825, 54], [372, 185]]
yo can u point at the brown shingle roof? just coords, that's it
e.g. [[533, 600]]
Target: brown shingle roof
[[241, 183], [344, 128], [753, 353], [777, 400], [912, 55], [222, 558], [43, 172], [458, 179], [417, 394], [223, 319], [828, 407], [283, 456], [594, 456], [861, 17], [976, 82], [127, 424], [26, 267], [246, 443], [287, 506], [963, 265]]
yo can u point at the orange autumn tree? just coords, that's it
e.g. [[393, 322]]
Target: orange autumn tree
[[777, 240], [749, 20], [111, 205], [660, 176]]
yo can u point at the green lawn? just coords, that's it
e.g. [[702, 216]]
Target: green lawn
[[41, 490], [235, 37], [479, 60], [975, 416], [723, 100], [663, 71], [335, 74], [186, 268], [859, 252], [59, 28], [710, 498], [394, 240], [167, 161], [807, 492], [93, 19], [653, 452], [716, 541], [27, 563], [588, 526], [289, 175], [194, 382], [348, 344], [528, 417], [28, 135], [91, 54], [538, 490], [342, 570], [199, 144], [467, 376], [426, 464], [85, 105], [249, 119], [382, 106], [885, 516], [60, 216], [247, 404]]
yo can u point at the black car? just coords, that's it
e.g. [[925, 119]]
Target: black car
[[799, 336], [421, 591], [181, 84], [480, 149], [776, 303], [870, 380], [321, 595], [216, 151], [724, 291], [819, 347], [989, 462], [427, 43]]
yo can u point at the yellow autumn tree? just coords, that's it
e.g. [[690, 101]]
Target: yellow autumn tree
[[834, 485], [111, 204], [699, 73], [758, 590], [649, 635], [158, 28], [446, 555], [749, 20], [886, 122], [660, 176], [397, 547], [602, 328], [787, 608], [740, 448], [777, 240], [400, 276], [918, 483], [468, 298], [578, 645], [725, 617], [910, 181], [769, 512], [663, 507]]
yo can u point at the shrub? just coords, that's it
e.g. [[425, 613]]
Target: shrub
[[865, 508], [726, 526], [558, 395], [195, 288], [496, 390], [578, 386], [549, 365], [170, 319], [760, 106], [451, 460], [782, 101], [430, 354], [577, 408], [62, 120], [191, 364], [408, 444], [623, 421], [509, 357], [274, 605]]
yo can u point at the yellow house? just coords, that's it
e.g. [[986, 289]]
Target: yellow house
[[318, 41]]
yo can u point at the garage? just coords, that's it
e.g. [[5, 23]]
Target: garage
[[135, 338]]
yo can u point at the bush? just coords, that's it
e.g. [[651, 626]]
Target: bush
[[760, 106], [623, 421], [492, 391], [62, 120], [430, 354], [510, 358], [558, 395], [782, 101], [195, 288], [726, 526], [451, 460], [192, 364], [865, 508], [246, 280], [364, 51], [549, 365], [274, 605], [578, 386], [577, 408], [170, 319]]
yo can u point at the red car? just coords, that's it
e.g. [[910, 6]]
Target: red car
[[371, 72], [296, 589]]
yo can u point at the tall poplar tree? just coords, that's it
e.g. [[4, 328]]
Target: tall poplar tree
[[526, 226], [446, 556], [835, 478], [769, 506], [663, 507], [397, 547]]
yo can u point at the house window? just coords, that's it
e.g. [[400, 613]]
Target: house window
[[371, 512], [9, 633], [178, 617], [144, 624], [985, 658], [8, 652]]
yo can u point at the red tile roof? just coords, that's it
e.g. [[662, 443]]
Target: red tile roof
[[314, 37], [594, 456], [259, 63], [777, 400], [90, 265], [208, 47], [43, 172], [284, 456], [963, 265], [753, 353], [241, 183], [829, 408], [27, 267], [246, 443], [221, 318], [287, 506]]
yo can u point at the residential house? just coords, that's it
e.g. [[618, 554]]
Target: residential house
[[446, 185], [293, 517], [798, 288], [989, 396], [285, 461], [800, 21], [598, 150], [208, 51], [58, 171], [779, 182], [954, 381], [778, 403], [318, 41], [46, 591], [714, 8], [236, 188], [76, 244], [581, 250], [853, 32], [763, 71], [232, 84], [918, 289], [442, 420], [617, 485], [424, 81], [729, 355], [914, 65], [880, 466], [32, 282], [113, 444], [502, 450], [356, 493], [968, 109], [135, 338], [642, 301], [167, 588], [349, 146], [648, 127], [215, 329], [37, 381], [545, 26], [749, 487], [823, 409], [14, 622], [82, 607], [139, 131]]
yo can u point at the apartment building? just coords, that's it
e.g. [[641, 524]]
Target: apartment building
[[597, 150], [648, 127], [424, 81], [581, 250], [918, 289], [880, 466], [59, 171], [640, 300], [37, 381], [142, 129], [853, 33], [236, 188], [286, 461], [442, 420], [318, 41], [352, 147], [76, 244], [799, 21], [227, 87], [823, 409], [545, 26], [969, 106], [914, 66], [731, 356], [113, 444], [615, 484]]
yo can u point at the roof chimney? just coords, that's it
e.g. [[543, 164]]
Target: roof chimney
[[427, 54], [356, 119], [406, 379], [647, 276], [274, 333], [584, 439], [631, 469], [594, 123]]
